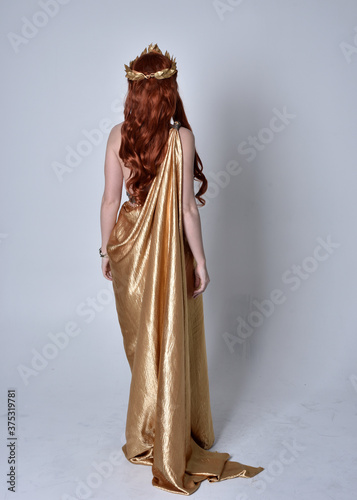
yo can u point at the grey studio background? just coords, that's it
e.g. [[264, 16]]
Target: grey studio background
[[270, 91]]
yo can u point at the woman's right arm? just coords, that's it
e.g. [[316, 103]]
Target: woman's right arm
[[191, 217]]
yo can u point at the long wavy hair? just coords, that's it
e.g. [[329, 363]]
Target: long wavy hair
[[149, 106]]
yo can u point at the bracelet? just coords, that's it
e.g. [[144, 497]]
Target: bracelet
[[102, 254]]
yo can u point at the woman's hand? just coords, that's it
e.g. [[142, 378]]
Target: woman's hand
[[201, 280], [106, 269]]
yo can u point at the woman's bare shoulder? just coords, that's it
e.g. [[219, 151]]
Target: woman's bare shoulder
[[186, 131], [187, 136], [115, 134]]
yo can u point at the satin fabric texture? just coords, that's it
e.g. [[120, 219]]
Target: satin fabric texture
[[169, 422]]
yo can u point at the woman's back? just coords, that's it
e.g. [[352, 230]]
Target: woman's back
[[188, 150]]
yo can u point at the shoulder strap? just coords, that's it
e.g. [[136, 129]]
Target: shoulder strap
[[177, 125]]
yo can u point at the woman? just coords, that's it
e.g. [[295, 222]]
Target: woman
[[153, 253]]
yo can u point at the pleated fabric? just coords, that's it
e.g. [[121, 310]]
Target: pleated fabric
[[169, 422]]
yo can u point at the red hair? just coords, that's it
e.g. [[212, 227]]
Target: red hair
[[149, 106]]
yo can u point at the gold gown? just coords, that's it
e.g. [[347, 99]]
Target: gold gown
[[169, 422]]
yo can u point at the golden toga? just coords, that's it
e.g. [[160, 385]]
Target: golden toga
[[169, 422]]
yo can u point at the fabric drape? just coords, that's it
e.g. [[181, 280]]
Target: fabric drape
[[169, 422]]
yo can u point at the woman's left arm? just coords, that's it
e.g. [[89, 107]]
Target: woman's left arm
[[111, 199]]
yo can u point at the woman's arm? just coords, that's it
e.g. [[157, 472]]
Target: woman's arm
[[191, 216], [111, 199]]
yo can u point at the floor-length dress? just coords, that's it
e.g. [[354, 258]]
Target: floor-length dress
[[169, 422]]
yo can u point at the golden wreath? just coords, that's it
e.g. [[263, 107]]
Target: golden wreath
[[131, 74]]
